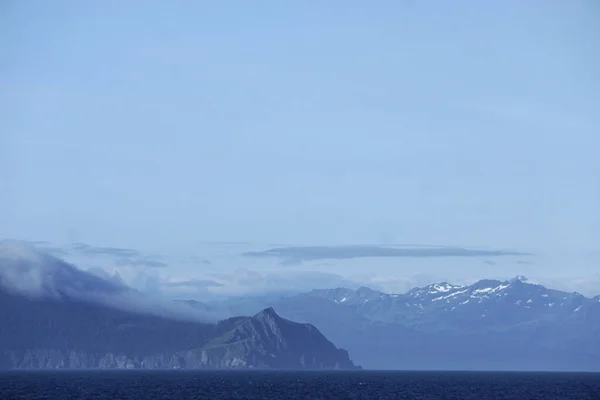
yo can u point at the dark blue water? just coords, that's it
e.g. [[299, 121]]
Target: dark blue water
[[132, 385]]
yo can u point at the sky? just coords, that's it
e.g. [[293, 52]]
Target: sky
[[210, 130]]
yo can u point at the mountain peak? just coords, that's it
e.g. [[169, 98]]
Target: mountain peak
[[519, 278], [363, 290], [441, 287], [267, 314], [520, 324], [39, 327]]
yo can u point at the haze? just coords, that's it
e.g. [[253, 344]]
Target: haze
[[197, 149]]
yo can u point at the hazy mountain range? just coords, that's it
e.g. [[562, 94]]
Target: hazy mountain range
[[491, 324], [53, 315]]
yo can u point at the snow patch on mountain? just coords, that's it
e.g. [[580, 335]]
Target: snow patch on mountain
[[501, 296]]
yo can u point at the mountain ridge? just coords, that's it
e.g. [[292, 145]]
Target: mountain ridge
[[492, 324], [42, 333], [53, 315]]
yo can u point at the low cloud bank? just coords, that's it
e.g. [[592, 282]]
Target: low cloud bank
[[298, 254], [31, 272]]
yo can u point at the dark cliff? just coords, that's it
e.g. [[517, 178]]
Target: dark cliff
[[67, 333]]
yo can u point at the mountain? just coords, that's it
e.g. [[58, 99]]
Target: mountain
[[63, 317], [507, 325], [25, 270], [443, 306], [66, 333], [269, 341]]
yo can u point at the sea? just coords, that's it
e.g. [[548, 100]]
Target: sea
[[134, 385]]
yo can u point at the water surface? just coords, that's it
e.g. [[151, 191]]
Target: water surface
[[133, 385]]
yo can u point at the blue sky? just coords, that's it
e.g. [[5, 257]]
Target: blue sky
[[157, 126]]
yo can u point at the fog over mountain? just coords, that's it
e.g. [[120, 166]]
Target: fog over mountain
[[34, 273], [210, 270], [489, 324], [53, 315]]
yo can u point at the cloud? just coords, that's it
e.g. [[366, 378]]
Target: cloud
[[250, 282], [245, 282], [141, 262], [31, 272], [193, 283], [399, 284], [298, 254], [109, 251], [197, 260], [122, 257], [39, 243]]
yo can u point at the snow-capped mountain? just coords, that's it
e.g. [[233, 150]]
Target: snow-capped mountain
[[513, 292], [490, 324], [348, 296], [485, 302]]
